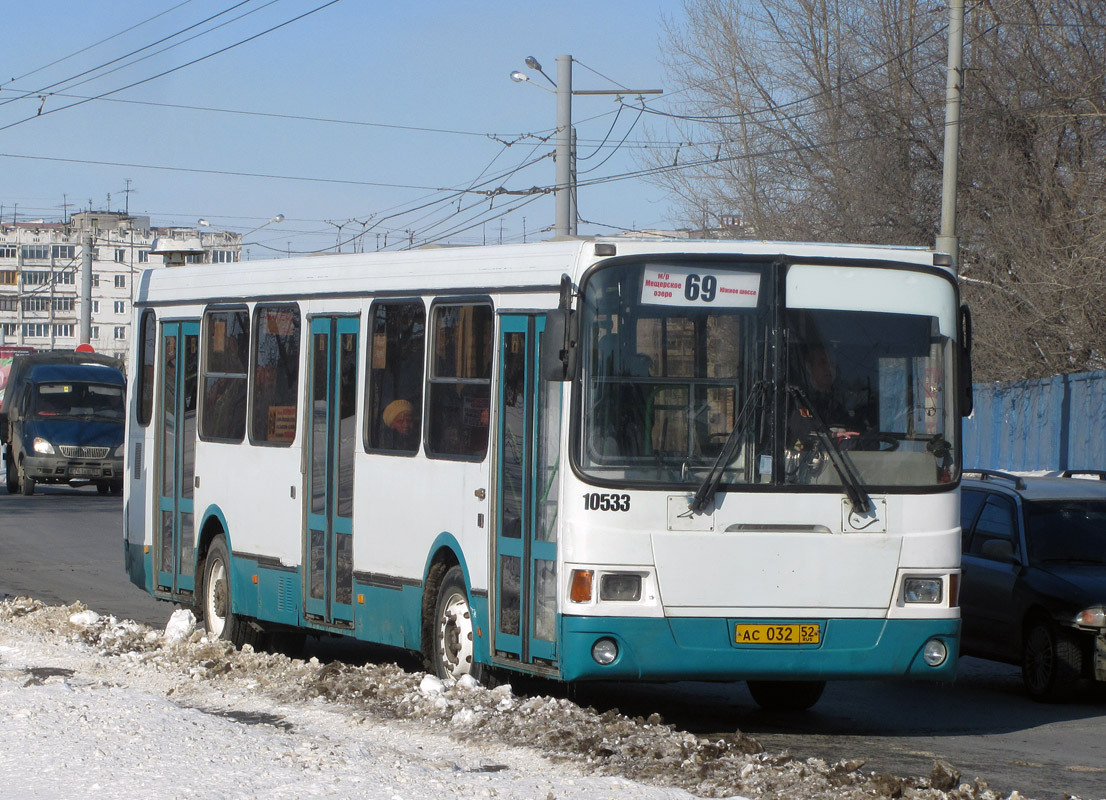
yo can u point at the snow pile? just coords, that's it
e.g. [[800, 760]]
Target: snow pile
[[354, 731]]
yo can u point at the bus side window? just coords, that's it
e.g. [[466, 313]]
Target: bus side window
[[145, 371], [275, 374], [393, 419], [460, 380], [226, 353]]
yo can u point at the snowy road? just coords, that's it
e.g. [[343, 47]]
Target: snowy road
[[96, 708]]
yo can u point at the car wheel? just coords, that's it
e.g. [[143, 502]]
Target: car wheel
[[220, 622], [11, 476], [786, 695], [26, 483], [102, 488], [1052, 663], [452, 643]]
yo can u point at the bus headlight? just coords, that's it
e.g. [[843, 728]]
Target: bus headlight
[[604, 651], [1094, 617], [921, 590], [935, 652], [43, 447], [620, 587]]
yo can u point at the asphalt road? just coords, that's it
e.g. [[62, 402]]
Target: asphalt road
[[63, 545]]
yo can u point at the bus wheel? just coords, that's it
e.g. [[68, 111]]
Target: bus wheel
[[219, 621], [453, 651], [786, 695]]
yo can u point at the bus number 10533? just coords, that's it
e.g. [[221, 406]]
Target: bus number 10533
[[602, 501]]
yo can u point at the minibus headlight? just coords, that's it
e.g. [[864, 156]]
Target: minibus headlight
[[921, 590], [1094, 617], [604, 651], [42, 446], [935, 652], [620, 587]]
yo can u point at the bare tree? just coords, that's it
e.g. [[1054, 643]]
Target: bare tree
[[824, 119]]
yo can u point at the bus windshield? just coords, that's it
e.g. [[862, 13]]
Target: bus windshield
[[94, 402], [688, 372]]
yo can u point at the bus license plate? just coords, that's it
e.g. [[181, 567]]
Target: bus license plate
[[791, 633]]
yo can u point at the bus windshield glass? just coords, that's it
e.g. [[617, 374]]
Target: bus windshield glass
[[671, 355], [93, 402], [689, 376], [874, 386]]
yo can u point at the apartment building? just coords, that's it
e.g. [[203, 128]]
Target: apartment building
[[41, 283]]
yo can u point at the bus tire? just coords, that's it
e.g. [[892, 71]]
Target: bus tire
[[452, 638], [786, 695], [220, 622]]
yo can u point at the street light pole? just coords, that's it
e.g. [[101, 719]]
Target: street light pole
[[564, 189], [565, 222], [947, 240]]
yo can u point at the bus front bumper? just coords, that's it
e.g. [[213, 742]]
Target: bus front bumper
[[666, 649]]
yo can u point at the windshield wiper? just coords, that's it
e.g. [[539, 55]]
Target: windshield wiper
[[709, 487], [854, 487]]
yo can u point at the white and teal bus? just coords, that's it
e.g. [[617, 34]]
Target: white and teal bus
[[631, 459]]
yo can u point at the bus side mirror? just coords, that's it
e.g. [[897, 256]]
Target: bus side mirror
[[964, 378], [558, 345]]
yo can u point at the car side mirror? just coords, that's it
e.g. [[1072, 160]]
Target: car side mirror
[[998, 550]]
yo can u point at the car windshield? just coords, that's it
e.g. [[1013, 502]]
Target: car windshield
[[96, 402], [1072, 531]]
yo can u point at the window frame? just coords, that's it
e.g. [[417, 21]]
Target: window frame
[[433, 381], [145, 385], [205, 331], [252, 366], [371, 412]]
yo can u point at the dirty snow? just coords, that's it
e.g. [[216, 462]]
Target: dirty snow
[[95, 707]]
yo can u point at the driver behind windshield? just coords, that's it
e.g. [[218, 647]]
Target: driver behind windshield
[[818, 379]]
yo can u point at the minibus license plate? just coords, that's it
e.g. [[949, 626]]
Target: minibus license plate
[[790, 633]]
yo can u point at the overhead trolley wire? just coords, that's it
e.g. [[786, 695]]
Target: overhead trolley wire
[[180, 67]]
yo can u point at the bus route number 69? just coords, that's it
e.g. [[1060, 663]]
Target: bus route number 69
[[604, 501]]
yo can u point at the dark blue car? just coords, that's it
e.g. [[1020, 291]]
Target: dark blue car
[[65, 425], [1033, 587]]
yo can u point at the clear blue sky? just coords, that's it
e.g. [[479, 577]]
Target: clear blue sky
[[442, 67]]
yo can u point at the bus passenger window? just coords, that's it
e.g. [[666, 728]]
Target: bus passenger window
[[226, 352], [397, 333], [460, 381], [145, 371], [275, 374]]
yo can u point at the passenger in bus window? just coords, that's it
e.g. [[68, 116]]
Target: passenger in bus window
[[401, 430]]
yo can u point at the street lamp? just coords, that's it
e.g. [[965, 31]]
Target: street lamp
[[203, 223]]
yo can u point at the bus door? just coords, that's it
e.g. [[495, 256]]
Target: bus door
[[331, 441], [176, 541], [527, 443]]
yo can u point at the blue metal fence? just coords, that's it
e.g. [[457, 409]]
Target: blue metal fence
[[1054, 423]]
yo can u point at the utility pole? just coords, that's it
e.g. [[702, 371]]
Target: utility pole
[[86, 287], [565, 222], [564, 189], [947, 240]]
